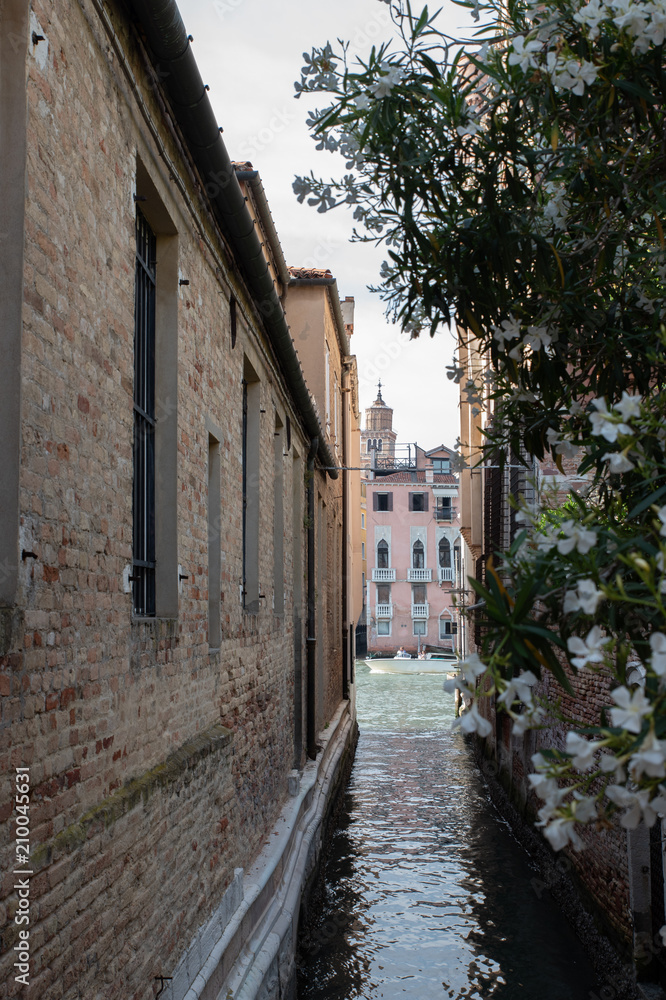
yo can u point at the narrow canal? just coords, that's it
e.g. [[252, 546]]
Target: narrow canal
[[426, 894]]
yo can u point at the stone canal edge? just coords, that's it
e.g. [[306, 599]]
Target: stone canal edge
[[247, 949]]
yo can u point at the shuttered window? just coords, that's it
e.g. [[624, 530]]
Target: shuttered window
[[418, 501], [382, 501]]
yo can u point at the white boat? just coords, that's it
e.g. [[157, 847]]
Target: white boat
[[432, 663]]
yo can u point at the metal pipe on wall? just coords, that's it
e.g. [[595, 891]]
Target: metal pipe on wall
[[311, 639]]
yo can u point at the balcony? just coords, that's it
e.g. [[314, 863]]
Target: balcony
[[384, 610], [419, 575], [445, 574], [444, 514], [383, 575], [420, 610]]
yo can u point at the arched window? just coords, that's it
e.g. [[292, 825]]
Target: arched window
[[382, 555], [379, 444], [444, 552], [418, 556]]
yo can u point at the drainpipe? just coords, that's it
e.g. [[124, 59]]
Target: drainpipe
[[311, 640], [345, 547], [181, 80]]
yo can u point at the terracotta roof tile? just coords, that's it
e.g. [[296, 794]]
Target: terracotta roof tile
[[241, 165], [403, 476], [309, 272]]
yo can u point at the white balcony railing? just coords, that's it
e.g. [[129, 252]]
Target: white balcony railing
[[384, 611], [445, 574], [419, 575], [420, 610], [383, 575]]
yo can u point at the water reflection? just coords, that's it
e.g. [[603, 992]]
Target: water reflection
[[427, 894]]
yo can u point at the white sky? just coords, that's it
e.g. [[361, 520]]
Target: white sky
[[250, 53]]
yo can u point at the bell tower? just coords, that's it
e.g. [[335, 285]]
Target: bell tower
[[378, 438]]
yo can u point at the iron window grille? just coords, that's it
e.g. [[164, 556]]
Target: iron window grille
[[143, 551]]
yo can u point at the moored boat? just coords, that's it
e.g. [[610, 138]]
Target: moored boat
[[432, 663]]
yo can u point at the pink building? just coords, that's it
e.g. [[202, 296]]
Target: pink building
[[413, 551]]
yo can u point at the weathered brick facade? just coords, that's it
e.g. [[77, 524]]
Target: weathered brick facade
[[158, 758], [609, 871]]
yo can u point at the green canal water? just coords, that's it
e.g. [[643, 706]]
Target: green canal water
[[426, 893]]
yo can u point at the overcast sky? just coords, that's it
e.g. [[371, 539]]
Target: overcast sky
[[250, 52]]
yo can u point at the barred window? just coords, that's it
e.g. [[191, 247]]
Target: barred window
[[143, 550]]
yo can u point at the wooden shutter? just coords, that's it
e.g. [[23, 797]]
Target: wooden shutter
[[390, 500]]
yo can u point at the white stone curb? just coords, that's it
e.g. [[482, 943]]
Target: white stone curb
[[248, 945]]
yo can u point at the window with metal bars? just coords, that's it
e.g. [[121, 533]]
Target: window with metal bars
[[143, 551]]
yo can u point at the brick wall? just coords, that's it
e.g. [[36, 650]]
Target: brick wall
[[156, 765]]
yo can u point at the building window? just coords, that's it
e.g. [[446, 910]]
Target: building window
[[441, 465], [382, 501], [443, 509], [384, 626], [143, 547], [383, 555], [233, 321], [250, 488], [418, 555], [278, 519], [362, 550], [214, 543], [362, 520], [444, 553], [447, 628], [419, 593], [418, 501], [383, 593], [420, 627]]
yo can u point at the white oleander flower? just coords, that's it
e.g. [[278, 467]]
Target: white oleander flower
[[472, 667], [637, 805], [530, 718], [650, 759], [577, 537], [518, 689], [591, 16], [658, 658], [471, 721], [589, 650], [363, 101], [631, 710], [508, 329], [629, 406], [585, 598], [562, 831], [604, 423], [523, 53], [582, 751], [618, 462], [543, 786], [390, 77], [538, 337]]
